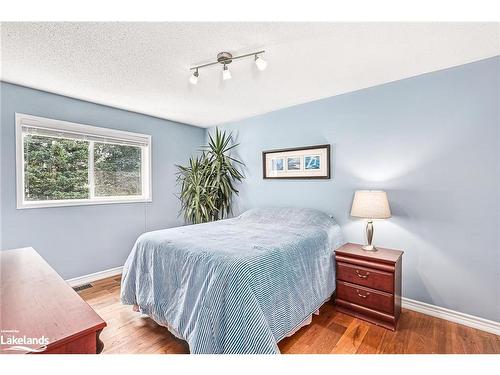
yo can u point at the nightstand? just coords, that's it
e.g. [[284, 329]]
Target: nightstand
[[369, 284]]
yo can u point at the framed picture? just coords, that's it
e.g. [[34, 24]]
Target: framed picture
[[300, 162]]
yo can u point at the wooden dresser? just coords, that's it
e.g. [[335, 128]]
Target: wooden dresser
[[36, 303], [369, 284]]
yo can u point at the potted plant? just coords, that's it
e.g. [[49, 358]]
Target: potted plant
[[207, 182]]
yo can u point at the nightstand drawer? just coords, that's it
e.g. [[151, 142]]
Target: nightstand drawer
[[364, 276], [367, 297]]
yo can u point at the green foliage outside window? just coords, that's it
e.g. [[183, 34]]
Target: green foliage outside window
[[58, 169], [117, 170], [55, 168]]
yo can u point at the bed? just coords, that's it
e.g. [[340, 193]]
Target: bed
[[238, 285]]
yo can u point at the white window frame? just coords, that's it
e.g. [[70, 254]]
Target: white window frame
[[23, 120]]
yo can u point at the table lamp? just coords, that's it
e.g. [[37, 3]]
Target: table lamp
[[370, 205]]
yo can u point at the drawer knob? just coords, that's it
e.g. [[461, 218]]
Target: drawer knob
[[360, 275], [362, 295]]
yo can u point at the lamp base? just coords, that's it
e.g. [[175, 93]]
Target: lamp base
[[369, 237], [369, 248]]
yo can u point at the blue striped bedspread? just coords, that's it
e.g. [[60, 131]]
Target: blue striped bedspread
[[238, 285]]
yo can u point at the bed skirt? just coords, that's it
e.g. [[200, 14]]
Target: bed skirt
[[306, 322]]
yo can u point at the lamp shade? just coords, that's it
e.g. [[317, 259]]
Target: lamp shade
[[370, 204]]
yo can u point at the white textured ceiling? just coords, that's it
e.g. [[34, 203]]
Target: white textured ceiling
[[143, 67]]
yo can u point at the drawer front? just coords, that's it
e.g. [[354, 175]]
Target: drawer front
[[367, 297], [364, 276]]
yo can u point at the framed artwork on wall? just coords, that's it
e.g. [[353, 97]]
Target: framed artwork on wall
[[299, 162]]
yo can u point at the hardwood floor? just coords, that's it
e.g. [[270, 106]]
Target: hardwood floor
[[330, 332]]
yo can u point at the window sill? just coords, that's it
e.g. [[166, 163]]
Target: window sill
[[80, 202]]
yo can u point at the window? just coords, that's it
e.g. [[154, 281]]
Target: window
[[61, 163]]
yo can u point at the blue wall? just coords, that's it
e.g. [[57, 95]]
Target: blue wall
[[433, 143], [85, 239]]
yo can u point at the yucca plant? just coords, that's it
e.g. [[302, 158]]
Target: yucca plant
[[207, 183]]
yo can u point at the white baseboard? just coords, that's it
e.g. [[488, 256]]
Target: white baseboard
[[410, 304], [453, 316], [77, 281]]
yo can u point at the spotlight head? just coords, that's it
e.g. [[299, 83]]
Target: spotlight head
[[260, 62], [194, 77], [226, 73]]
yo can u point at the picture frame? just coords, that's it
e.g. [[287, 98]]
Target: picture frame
[[310, 162]]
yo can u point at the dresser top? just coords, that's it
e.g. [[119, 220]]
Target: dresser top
[[381, 255], [37, 302]]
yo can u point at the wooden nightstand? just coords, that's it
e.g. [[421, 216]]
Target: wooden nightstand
[[369, 284]]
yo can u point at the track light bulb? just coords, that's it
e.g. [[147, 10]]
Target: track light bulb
[[260, 62], [194, 77], [226, 73]]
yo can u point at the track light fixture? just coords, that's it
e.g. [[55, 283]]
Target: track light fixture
[[226, 58]]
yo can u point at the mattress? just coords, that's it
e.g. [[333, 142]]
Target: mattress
[[237, 285]]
